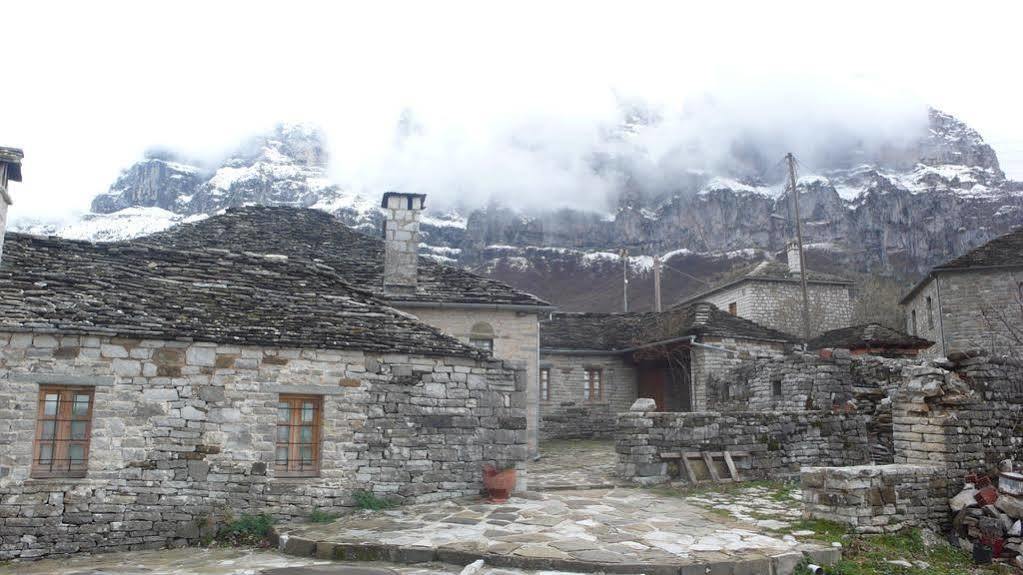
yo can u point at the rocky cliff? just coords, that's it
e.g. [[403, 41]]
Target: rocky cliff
[[894, 211]]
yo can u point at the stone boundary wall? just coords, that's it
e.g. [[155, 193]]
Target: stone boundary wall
[[578, 421], [876, 498], [779, 442], [964, 413], [183, 435], [833, 380]]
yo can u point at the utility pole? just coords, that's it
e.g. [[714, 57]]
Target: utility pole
[[657, 283], [625, 278], [799, 241]]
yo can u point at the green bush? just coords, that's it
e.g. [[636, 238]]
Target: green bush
[[247, 530], [318, 516], [368, 500]]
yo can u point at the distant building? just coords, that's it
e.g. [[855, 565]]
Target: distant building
[[770, 295], [872, 339], [594, 365], [972, 302]]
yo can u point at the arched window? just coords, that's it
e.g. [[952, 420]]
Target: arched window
[[482, 336]]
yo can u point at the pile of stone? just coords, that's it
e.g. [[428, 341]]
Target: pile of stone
[[988, 520]]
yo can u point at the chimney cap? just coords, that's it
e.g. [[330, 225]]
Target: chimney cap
[[12, 157], [388, 195]]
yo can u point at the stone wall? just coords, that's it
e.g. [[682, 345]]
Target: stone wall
[[778, 304], [516, 338], [184, 432], [832, 380], [876, 498], [708, 364], [976, 309], [965, 414], [566, 413], [779, 442]]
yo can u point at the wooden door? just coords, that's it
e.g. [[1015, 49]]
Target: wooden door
[[652, 384]]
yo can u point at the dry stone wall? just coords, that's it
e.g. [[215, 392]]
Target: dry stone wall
[[876, 498], [779, 442], [965, 413], [184, 432], [833, 380]]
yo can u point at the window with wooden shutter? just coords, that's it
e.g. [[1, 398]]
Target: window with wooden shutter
[[299, 421], [733, 308], [63, 429], [594, 390]]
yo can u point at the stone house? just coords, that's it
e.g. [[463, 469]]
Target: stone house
[[770, 294], [146, 391], [478, 311], [594, 365], [972, 302], [872, 339]]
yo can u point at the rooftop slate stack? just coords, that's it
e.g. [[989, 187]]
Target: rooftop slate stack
[[201, 294], [357, 258], [868, 336]]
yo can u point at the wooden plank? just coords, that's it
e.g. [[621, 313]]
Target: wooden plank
[[731, 466], [690, 471], [710, 467], [671, 455]]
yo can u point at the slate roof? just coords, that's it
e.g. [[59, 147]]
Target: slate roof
[[615, 332], [1002, 252], [137, 290], [773, 271], [318, 236], [871, 336]]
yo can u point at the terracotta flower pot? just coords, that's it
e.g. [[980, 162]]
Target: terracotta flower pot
[[499, 484]]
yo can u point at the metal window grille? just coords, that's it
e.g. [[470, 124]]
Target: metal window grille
[[298, 441], [63, 430]]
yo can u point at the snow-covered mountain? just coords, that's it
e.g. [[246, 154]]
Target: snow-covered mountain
[[898, 210]]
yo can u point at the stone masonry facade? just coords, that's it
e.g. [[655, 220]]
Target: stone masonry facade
[[707, 363], [567, 414], [515, 339], [183, 433], [779, 442], [970, 309], [876, 498], [777, 304]]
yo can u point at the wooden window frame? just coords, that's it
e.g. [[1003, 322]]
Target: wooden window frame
[[545, 384], [60, 440], [296, 466], [733, 308], [930, 312], [589, 394]]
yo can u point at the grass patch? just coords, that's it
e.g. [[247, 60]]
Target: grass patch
[[251, 530], [870, 554], [318, 516], [779, 490], [368, 500]]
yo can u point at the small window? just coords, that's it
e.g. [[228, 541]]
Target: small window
[[63, 429], [776, 388], [912, 326], [594, 390], [299, 420], [482, 336], [483, 343], [545, 383], [726, 392], [930, 314], [733, 308]]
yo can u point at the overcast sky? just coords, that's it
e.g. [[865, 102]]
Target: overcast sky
[[90, 85]]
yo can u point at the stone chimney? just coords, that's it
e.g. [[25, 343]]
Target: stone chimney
[[795, 267], [10, 171], [401, 239]]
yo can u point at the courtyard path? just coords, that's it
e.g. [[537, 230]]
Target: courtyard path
[[621, 530], [573, 464]]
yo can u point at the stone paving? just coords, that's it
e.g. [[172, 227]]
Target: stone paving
[[573, 464], [620, 530], [767, 507]]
